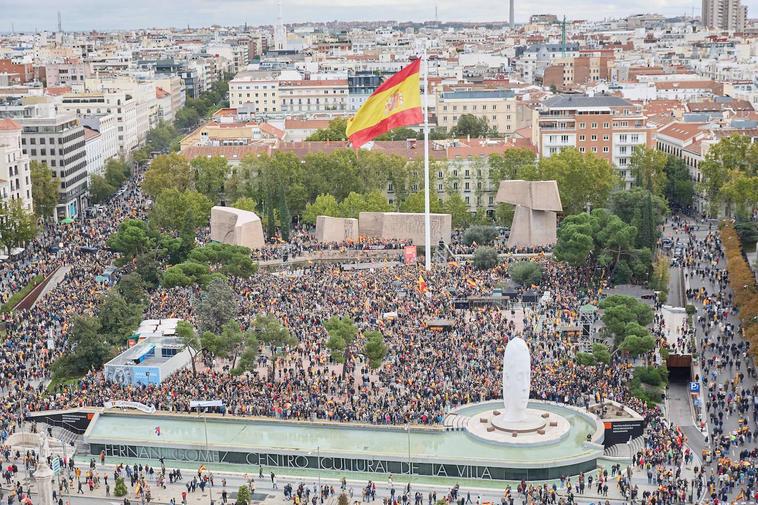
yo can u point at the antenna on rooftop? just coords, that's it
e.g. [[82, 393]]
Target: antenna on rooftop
[[563, 37], [59, 22], [436, 17]]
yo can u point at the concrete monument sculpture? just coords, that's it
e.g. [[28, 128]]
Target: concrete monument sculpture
[[405, 226], [336, 229], [236, 227], [534, 221]]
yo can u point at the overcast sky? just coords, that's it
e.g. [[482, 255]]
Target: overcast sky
[[26, 15]]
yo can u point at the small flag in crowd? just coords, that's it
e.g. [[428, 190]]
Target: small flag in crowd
[[422, 287], [158, 431]]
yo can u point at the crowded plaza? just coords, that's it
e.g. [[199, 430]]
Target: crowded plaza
[[423, 376]]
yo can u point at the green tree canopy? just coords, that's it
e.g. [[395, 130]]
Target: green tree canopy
[[44, 189], [168, 171], [724, 160], [325, 205], [480, 235], [335, 131], [517, 163], [485, 258], [217, 306], [647, 167], [472, 126], [525, 273], [679, 189], [209, 175]]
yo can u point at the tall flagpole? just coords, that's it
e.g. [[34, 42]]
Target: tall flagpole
[[427, 216]]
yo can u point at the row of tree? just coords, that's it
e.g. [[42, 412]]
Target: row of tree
[[468, 125]]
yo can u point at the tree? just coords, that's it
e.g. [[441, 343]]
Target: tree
[[679, 189], [120, 488], [620, 310], [44, 189], [335, 131], [636, 340], [643, 210], [88, 349], [469, 125], [17, 225], [374, 349], [342, 333], [525, 273], [285, 218], [740, 194], [168, 171], [458, 210], [233, 260], [401, 133], [605, 238], [355, 203], [162, 138], [209, 175], [244, 496], [485, 258], [99, 189], [172, 203], [659, 280], [504, 214], [187, 118], [575, 243], [647, 166], [190, 340], [217, 306], [131, 239], [731, 153], [270, 331], [244, 203], [582, 179], [116, 172], [601, 353], [325, 205], [118, 319], [132, 288], [479, 235], [415, 203], [516, 163]]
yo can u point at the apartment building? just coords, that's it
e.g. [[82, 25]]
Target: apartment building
[[570, 73], [119, 104], [608, 126], [67, 74], [497, 106], [105, 146], [729, 15], [58, 141], [170, 95], [305, 96], [258, 90], [360, 86], [15, 178]]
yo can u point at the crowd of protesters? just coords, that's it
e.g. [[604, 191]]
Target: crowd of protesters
[[424, 374]]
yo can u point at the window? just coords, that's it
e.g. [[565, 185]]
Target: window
[[606, 125], [594, 125], [582, 125], [564, 139], [581, 138], [622, 138], [494, 117], [581, 149], [439, 174], [466, 186], [605, 137], [594, 149], [605, 149], [635, 139], [593, 138]]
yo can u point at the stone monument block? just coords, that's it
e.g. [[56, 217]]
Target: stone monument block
[[236, 227], [535, 218], [336, 229], [405, 226]]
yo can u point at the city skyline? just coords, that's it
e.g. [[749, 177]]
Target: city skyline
[[79, 15]]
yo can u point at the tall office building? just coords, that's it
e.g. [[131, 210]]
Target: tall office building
[[729, 15]]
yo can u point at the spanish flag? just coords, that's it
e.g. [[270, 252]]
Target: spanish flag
[[397, 102], [422, 287]]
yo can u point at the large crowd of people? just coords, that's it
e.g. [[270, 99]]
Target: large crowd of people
[[424, 374]]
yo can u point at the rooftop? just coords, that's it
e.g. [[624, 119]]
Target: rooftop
[[578, 101], [681, 131], [9, 124], [478, 94]]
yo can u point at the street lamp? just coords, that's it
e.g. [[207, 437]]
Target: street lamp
[[205, 424], [410, 467]]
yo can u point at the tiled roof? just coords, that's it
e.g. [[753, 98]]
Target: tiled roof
[[9, 124], [681, 131], [232, 153], [305, 124]]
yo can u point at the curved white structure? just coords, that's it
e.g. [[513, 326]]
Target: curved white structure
[[517, 380]]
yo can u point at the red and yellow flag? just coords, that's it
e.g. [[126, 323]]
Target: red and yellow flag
[[397, 102], [422, 287]]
